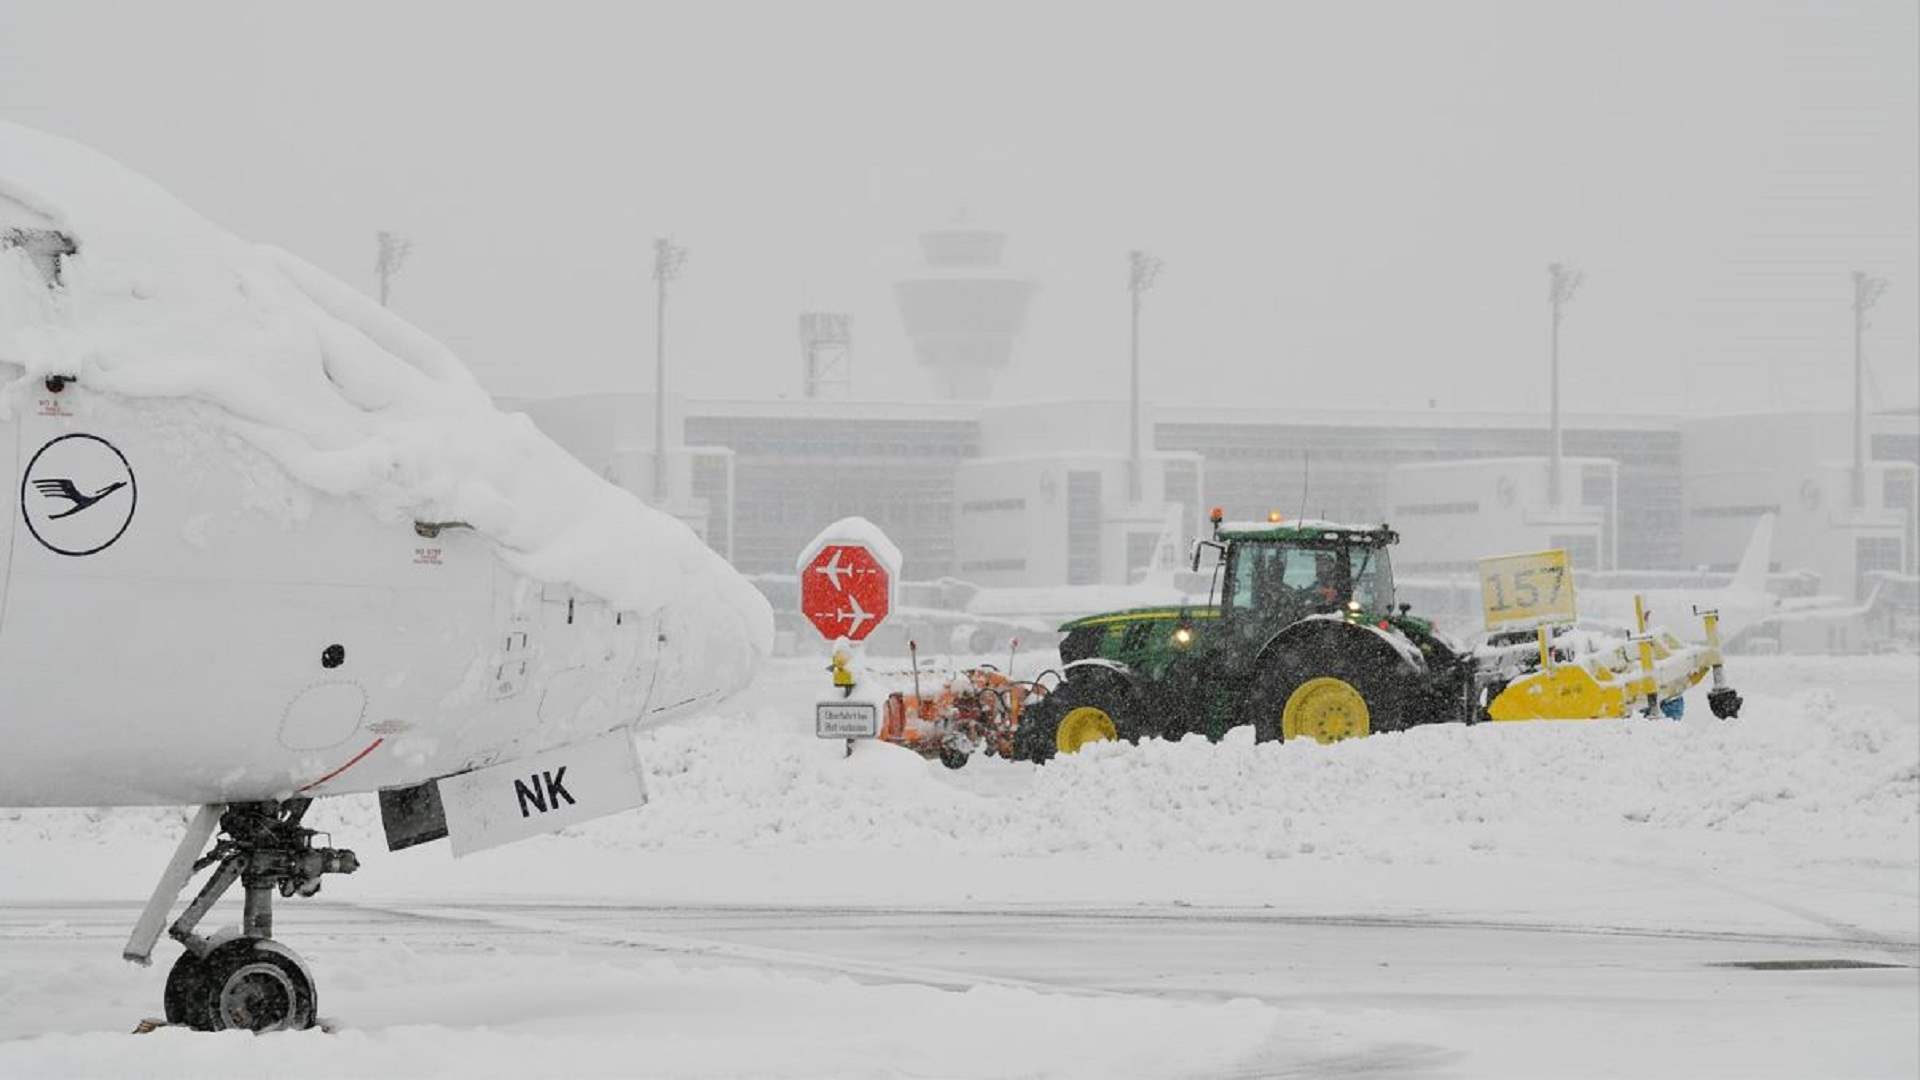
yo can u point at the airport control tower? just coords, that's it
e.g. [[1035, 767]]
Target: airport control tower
[[963, 310]]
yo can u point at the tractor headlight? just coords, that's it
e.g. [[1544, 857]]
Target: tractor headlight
[[1183, 636]]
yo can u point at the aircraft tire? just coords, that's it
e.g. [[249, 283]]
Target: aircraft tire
[[254, 984], [187, 995]]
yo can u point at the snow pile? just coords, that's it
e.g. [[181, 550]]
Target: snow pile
[[857, 531], [1795, 770], [348, 398]]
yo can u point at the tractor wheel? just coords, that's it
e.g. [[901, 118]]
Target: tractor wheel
[[1079, 712], [1325, 694]]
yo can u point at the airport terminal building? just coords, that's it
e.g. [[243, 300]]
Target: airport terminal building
[[987, 493], [1023, 493]]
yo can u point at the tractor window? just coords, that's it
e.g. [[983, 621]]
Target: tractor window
[[1269, 577], [1372, 579]]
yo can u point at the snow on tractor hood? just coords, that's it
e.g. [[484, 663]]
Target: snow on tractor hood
[[158, 302]]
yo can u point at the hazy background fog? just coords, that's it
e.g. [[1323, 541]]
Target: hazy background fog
[[1355, 203]]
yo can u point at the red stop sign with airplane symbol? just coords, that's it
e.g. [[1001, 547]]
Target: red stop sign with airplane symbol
[[845, 592]]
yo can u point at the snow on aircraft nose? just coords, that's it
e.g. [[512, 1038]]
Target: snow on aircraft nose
[[723, 624]]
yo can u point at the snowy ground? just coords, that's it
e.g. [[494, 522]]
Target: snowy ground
[[1505, 900]]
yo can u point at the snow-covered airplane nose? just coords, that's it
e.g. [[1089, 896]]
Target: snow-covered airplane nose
[[713, 632], [734, 630]]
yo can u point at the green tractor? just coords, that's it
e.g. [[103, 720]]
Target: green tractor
[[1304, 640]]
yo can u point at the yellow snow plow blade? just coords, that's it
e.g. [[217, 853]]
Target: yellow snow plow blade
[[1609, 683], [1567, 692]]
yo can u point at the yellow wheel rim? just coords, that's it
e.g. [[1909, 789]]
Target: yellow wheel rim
[[1325, 710], [1081, 726]]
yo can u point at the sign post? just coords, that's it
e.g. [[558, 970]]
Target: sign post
[[849, 578]]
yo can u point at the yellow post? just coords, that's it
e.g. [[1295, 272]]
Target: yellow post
[[1546, 650], [1712, 620], [1646, 672], [1646, 653]]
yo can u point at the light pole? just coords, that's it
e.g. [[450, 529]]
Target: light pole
[[1562, 282], [392, 250], [1866, 293], [668, 257], [1142, 270]]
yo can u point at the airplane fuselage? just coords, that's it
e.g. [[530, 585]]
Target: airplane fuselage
[[182, 623]]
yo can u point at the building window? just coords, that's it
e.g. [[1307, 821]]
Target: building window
[[713, 481], [1140, 548], [1083, 527], [1439, 509], [1181, 486], [1872, 553], [1750, 510], [1897, 489], [1582, 551], [1597, 491], [990, 566]]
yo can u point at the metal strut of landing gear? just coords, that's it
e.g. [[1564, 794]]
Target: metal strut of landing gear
[[248, 981]]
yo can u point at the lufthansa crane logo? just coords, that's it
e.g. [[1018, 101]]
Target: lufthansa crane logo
[[78, 495]]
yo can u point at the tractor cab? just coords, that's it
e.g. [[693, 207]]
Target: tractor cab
[[1273, 574]]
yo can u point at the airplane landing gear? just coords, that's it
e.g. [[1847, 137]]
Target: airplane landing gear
[[246, 981]]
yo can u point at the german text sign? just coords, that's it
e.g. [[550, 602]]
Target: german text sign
[[846, 720]]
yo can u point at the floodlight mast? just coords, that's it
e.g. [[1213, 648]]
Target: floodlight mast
[[1143, 269], [1866, 293], [668, 258], [1562, 282]]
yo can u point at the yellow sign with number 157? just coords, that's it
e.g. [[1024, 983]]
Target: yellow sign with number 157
[[1526, 590]]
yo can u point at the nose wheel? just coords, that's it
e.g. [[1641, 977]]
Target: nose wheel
[[246, 982]]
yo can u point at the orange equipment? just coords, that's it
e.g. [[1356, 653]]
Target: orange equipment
[[977, 709]]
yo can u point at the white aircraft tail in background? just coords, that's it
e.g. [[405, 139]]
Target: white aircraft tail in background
[[1742, 603], [1751, 575]]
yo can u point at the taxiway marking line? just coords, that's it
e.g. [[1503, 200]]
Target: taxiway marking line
[[675, 943]]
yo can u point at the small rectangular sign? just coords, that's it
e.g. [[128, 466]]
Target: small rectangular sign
[[846, 720], [541, 794], [1526, 590]]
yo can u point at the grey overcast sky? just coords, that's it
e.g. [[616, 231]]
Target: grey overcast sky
[[1355, 202]]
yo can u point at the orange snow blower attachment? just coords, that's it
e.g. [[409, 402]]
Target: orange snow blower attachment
[[976, 709]]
